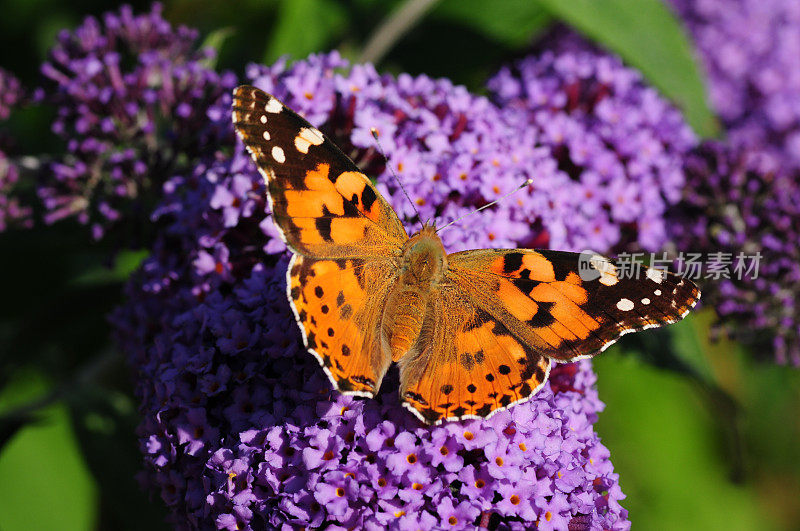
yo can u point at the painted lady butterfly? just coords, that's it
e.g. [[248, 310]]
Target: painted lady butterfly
[[473, 332]]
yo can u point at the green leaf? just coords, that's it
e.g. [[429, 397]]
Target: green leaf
[[125, 263], [105, 423], [665, 445], [304, 27], [45, 482], [514, 23], [649, 37], [215, 40]]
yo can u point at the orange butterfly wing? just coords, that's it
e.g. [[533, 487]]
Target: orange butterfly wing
[[339, 321], [466, 363], [324, 206], [345, 235], [504, 314]]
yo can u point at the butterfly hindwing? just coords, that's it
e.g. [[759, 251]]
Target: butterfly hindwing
[[339, 321], [466, 363], [323, 205]]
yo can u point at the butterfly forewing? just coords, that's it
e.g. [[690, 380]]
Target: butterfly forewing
[[548, 301], [323, 205]]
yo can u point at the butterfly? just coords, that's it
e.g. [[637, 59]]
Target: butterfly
[[472, 332]]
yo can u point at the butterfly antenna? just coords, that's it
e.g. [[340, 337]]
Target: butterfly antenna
[[527, 182], [374, 133]]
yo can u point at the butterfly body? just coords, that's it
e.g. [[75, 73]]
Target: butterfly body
[[472, 332], [421, 270]]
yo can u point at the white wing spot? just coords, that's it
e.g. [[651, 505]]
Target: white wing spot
[[645, 301], [607, 270], [273, 106], [266, 135], [656, 275], [625, 305], [263, 118], [306, 138], [278, 155], [657, 293]]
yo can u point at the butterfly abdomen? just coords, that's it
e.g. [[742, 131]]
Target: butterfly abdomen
[[422, 267], [402, 319]]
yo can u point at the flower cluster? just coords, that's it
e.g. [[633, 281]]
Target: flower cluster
[[744, 202], [241, 428], [750, 49], [617, 141], [136, 103], [12, 212]]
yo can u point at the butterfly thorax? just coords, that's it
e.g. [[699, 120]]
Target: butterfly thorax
[[422, 265]]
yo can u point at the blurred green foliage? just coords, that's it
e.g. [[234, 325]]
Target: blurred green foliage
[[702, 437], [42, 467]]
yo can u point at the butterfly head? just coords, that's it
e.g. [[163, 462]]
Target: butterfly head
[[424, 259]]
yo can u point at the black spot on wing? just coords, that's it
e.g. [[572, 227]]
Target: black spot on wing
[[369, 382], [525, 285], [416, 397], [368, 197], [323, 224], [484, 410], [562, 268], [544, 315], [430, 415], [512, 262]]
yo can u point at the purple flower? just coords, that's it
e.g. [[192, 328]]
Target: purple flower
[[136, 105], [749, 49], [223, 339], [13, 211], [616, 145], [746, 205]]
